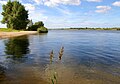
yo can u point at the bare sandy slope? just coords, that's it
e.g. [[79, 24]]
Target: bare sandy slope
[[14, 34]]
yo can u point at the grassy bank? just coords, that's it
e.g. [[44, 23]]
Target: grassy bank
[[8, 30]]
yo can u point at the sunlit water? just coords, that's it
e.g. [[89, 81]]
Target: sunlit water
[[89, 57]]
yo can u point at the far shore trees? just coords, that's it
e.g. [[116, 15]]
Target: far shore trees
[[15, 15]]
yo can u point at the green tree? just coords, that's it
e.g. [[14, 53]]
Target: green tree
[[15, 15], [36, 26], [39, 24]]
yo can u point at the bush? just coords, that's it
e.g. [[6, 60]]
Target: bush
[[33, 28], [36, 26], [39, 24], [42, 30]]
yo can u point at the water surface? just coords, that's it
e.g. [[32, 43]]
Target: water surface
[[90, 57]]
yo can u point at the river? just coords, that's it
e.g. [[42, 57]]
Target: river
[[89, 57]]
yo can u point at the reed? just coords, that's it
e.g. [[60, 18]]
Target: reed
[[61, 53], [53, 77], [51, 56]]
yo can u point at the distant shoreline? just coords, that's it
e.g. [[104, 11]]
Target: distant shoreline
[[86, 29], [15, 34]]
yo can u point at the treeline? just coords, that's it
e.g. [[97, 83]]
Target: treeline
[[116, 28], [96, 28]]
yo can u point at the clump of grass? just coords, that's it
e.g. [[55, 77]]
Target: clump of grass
[[54, 78]]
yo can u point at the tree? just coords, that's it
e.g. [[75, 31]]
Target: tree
[[15, 15], [36, 26], [39, 24]]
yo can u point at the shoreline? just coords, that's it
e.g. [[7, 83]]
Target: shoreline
[[15, 34]]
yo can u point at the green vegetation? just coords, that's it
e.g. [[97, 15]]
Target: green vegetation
[[53, 72], [96, 28], [38, 26], [16, 18], [42, 30], [8, 30], [35, 26], [15, 15]]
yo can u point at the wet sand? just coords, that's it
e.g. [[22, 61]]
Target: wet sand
[[14, 34]]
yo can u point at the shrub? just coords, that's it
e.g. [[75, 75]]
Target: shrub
[[36, 26], [42, 30], [39, 24], [33, 28]]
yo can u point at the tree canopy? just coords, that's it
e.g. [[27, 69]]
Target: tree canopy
[[15, 15], [35, 26], [39, 24]]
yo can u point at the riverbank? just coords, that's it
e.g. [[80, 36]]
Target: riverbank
[[14, 34]]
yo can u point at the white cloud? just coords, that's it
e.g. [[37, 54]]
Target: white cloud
[[29, 7], [117, 3], [57, 2], [38, 1], [94, 0], [40, 16], [3, 2], [103, 9]]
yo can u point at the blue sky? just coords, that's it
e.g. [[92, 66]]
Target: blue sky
[[72, 13]]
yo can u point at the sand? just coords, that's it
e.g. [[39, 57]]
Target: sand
[[15, 34]]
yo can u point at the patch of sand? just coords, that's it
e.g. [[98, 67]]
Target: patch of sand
[[14, 34]]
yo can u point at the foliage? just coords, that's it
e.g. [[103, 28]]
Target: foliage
[[8, 30], [39, 24], [36, 26], [32, 28], [42, 30], [15, 15]]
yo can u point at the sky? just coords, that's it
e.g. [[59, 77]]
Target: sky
[[72, 13]]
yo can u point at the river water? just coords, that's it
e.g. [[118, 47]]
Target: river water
[[89, 57]]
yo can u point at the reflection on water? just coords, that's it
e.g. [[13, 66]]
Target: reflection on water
[[2, 73], [17, 47], [89, 57]]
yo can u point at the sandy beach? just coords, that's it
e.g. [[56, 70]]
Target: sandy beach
[[14, 34]]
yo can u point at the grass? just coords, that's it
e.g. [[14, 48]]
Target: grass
[[8, 30], [53, 77]]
